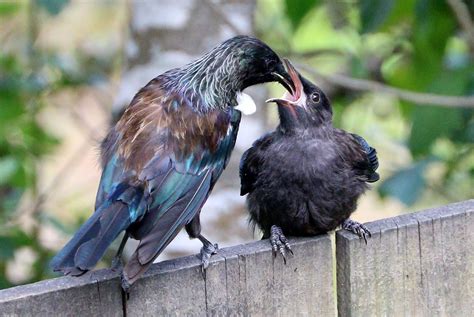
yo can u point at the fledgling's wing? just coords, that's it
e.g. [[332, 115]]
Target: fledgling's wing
[[368, 168], [251, 161]]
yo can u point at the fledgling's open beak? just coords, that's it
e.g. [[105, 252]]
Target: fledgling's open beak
[[295, 95]]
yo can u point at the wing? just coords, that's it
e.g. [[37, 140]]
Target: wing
[[113, 171], [251, 161], [176, 194], [159, 164], [159, 227], [369, 166]]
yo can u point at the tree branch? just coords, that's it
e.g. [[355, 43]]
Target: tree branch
[[461, 11], [368, 85]]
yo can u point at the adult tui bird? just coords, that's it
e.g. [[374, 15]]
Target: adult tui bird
[[306, 176], [163, 157]]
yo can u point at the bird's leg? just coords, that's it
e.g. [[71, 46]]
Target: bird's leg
[[125, 288], [207, 250], [117, 261], [279, 242], [357, 228]]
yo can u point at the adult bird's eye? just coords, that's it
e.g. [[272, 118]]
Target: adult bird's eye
[[315, 97], [271, 64]]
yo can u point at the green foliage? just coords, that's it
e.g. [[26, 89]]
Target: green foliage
[[407, 184], [9, 7], [297, 10], [373, 13], [417, 45], [23, 141], [26, 81]]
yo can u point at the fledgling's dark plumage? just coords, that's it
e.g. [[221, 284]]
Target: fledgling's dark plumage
[[306, 176], [163, 157]]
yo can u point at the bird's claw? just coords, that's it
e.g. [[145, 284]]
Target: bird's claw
[[357, 228], [206, 252], [279, 242], [125, 287]]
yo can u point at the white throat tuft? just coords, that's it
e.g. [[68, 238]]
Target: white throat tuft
[[245, 104]]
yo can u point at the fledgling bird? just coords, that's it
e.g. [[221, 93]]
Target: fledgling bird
[[305, 177], [163, 157]]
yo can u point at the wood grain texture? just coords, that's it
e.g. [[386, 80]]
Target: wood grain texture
[[95, 293], [245, 280], [418, 264]]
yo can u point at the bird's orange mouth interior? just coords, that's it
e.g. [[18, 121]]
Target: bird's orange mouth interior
[[295, 96]]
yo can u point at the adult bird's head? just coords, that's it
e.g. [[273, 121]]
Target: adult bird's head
[[304, 106], [256, 63], [215, 79]]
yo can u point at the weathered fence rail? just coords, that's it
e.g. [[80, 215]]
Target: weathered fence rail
[[419, 264]]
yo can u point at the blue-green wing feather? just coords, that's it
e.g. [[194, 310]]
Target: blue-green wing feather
[[152, 197]]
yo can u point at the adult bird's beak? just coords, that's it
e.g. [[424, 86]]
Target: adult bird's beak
[[282, 76], [295, 95]]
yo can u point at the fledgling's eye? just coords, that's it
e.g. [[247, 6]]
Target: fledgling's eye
[[315, 97]]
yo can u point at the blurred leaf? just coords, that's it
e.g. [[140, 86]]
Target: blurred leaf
[[23, 176], [53, 6], [8, 166], [432, 29], [373, 13], [401, 13], [358, 68], [12, 239], [467, 132], [9, 7], [297, 10], [428, 35], [430, 123], [406, 184], [9, 202], [11, 108]]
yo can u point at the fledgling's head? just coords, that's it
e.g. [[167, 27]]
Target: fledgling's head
[[305, 105]]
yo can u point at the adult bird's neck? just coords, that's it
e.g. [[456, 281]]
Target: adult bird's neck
[[209, 83]]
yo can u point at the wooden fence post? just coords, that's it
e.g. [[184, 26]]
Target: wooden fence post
[[419, 264]]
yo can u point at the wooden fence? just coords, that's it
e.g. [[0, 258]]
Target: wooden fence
[[419, 264]]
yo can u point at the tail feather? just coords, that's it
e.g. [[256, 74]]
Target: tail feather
[[112, 223], [90, 242], [170, 223], [64, 259]]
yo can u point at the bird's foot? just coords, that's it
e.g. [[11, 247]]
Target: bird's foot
[[279, 242], [207, 250], [357, 228], [117, 264], [125, 284]]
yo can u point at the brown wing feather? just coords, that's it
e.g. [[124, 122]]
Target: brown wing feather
[[158, 121]]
